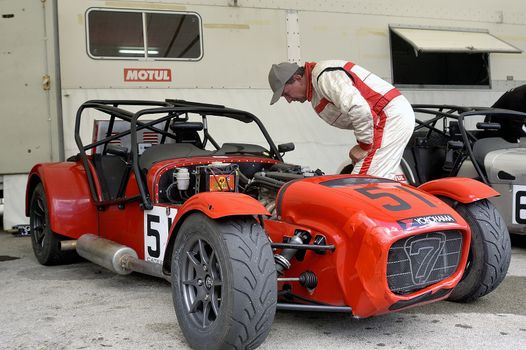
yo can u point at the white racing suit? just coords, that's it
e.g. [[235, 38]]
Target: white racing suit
[[349, 97]]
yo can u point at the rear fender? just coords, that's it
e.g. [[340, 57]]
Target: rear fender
[[70, 208], [460, 189], [215, 205]]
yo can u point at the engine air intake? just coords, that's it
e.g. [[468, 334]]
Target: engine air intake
[[418, 261]]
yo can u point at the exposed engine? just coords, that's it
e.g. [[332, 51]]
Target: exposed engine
[[265, 184], [260, 181]]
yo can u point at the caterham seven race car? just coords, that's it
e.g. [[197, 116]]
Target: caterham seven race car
[[162, 189]]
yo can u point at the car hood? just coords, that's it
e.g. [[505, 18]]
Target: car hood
[[380, 201]]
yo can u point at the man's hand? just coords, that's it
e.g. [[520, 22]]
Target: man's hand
[[357, 153]]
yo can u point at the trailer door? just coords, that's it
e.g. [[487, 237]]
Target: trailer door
[[28, 87]]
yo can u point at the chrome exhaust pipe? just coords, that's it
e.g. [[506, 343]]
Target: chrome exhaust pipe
[[106, 253], [141, 266], [68, 245]]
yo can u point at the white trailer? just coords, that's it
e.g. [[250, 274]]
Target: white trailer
[[56, 54]]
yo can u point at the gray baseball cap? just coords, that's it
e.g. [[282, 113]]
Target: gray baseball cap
[[278, 76]]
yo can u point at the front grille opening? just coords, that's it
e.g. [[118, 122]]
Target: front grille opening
[[419, 261]]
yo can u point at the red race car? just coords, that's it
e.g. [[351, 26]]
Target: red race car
[[239, 233]]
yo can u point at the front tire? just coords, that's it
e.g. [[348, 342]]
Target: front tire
[[223, 282], [45, 243], [489, 254]]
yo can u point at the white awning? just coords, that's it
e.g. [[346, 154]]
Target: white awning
[[448, 40]]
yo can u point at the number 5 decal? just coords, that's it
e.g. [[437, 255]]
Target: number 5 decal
[[154, 250], [400, 204], [157, 223]]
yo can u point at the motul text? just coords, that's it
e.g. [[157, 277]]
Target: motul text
[[147, 74]]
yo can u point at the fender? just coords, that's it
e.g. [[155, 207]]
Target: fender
[[461, 189], [215, 205], [70, 208]]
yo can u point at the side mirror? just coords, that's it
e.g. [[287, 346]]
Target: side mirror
[[286, 147]]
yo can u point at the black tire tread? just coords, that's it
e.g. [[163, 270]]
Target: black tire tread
[[244, 237], [489, 227]]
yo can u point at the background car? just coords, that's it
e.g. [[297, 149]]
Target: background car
[[480, 143]]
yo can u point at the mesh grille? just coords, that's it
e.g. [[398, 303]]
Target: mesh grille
[[418, 261]]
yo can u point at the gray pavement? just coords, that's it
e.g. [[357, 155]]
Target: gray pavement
[[83, 306]]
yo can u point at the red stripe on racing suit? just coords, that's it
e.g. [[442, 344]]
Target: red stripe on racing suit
[[376, 102]]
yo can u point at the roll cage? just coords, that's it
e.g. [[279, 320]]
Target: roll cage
[[171, 110], [449, 121]]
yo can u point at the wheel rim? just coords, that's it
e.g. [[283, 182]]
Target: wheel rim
[[39, 222], [201, 282]]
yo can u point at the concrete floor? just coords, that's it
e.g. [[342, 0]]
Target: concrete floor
[[83, 306]]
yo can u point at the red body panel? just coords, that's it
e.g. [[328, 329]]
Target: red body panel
[[216, 205], [362, 230], [461, 189], [71, 209], [125, 226]]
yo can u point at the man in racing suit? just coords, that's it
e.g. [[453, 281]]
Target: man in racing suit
[[347, 96]]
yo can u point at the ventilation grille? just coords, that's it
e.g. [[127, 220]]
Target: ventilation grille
[[419, 261]]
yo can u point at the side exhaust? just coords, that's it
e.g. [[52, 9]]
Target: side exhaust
[[68, 245], [115, 257], [105, 253]]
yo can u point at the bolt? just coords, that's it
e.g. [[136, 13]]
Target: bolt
[[207, 297], [205, 268], [199, 282]]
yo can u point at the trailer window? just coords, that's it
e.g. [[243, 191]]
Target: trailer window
[[431, 69], [143, 35], [173, 36], [441, 56]]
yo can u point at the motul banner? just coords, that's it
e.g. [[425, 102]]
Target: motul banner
[[147, 74]]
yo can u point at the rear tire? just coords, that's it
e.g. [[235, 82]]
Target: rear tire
[[45, 243], [489, 254], [224, 285]]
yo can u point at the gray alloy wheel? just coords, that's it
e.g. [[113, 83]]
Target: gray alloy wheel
[[223, 282]]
